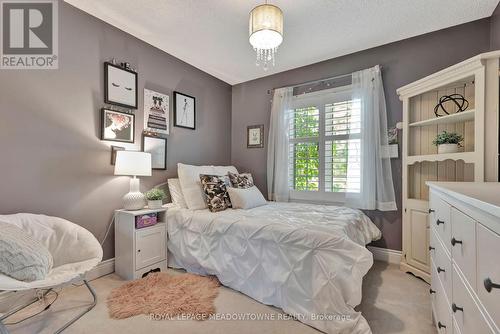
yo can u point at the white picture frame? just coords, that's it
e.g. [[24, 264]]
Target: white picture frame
[[156, 112]]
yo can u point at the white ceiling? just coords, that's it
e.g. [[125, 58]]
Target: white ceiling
[[213, 34]]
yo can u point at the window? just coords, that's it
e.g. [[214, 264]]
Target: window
[[325, 146]]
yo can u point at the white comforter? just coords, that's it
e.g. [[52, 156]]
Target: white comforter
[[307, 259]]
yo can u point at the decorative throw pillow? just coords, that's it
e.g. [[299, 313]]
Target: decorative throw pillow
[[189, 178], [215, 188], [241, 181], [21, 256], [246, 198]]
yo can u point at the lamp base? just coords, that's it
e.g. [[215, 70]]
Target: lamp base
[[134, 200]]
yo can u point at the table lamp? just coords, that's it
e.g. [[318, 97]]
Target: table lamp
[[134, 164]]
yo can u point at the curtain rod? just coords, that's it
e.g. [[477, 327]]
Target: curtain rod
[[313, 81]]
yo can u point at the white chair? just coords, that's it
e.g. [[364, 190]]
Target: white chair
[[74, 249]]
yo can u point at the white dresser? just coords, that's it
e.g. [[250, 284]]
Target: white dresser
[[465, 256]]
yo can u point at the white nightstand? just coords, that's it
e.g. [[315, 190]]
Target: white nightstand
[[139, 251]]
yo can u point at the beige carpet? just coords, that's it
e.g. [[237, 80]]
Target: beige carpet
[[393, 302]]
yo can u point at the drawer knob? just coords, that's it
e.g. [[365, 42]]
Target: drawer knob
[[489, 285], [440, 325], [432, 210], [440, 270], [455, 241], [439, 222], [432, 291], [455, 308], [431, 248], [138, 251]]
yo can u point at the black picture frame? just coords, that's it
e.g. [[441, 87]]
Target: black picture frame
[[176, 97], [104, 112], [107, 65], [261, 136], [164, 161], [114, 151]]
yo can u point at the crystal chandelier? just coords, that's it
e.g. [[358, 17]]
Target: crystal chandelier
[[266, 33]]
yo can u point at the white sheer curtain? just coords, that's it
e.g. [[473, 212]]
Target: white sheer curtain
[[277, 152], [377, 189]]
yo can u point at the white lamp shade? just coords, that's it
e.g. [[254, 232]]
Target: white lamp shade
[[133, 163]]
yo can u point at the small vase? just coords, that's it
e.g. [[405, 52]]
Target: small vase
[[447, 148], [155, 204]]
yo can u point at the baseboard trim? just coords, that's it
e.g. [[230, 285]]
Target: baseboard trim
[[104, 268], [386, 255]]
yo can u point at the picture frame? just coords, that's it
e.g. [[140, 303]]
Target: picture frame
[[117, 126], [157, 147], [114, 150], [120, 86], [255, 136], [156, 112], [184, 111]]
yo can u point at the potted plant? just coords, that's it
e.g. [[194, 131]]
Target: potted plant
[[155, 198], [448, 142]]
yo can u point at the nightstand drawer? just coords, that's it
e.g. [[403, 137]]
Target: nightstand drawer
[[150, 246]]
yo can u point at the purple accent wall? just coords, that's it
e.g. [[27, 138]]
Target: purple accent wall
[[403, 62], [52, 160], [495, 29]]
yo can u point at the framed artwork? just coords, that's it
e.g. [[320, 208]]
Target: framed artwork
[[255, 136], [157, 146], [120, 86], [156, 112], [184, 111], [117, 126], [115, 149]]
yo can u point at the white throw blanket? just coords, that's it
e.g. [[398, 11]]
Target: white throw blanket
[[307, 259]]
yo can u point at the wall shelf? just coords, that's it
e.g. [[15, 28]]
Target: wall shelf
[[464, 116], [468, 157]]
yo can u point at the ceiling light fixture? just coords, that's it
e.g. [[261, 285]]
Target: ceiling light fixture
[[266, 32]]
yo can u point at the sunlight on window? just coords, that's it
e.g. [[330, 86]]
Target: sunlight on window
[[334, 129]]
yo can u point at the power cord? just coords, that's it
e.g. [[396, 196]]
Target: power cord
[[34, 315], [108, 229]]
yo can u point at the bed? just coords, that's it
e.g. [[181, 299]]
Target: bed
[[308, 260]]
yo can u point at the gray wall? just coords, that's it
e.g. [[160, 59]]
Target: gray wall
[[495, 29], [52, 160], [403, 62]]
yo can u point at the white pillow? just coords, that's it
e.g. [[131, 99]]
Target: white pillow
[[22, 257], [174, 188], [189, 178], [246, 198]]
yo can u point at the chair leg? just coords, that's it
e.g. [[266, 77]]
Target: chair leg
[[94, 302], [3, 329]]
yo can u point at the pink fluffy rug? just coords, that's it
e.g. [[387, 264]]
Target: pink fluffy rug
[[164, 295]]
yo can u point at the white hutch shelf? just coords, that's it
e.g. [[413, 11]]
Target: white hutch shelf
[[477, 80]]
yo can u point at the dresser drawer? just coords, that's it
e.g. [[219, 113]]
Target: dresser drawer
[[463, 244], [442, 263], [488, 267], [440, 218], [443, 311], [465, 310], [456, 330]]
